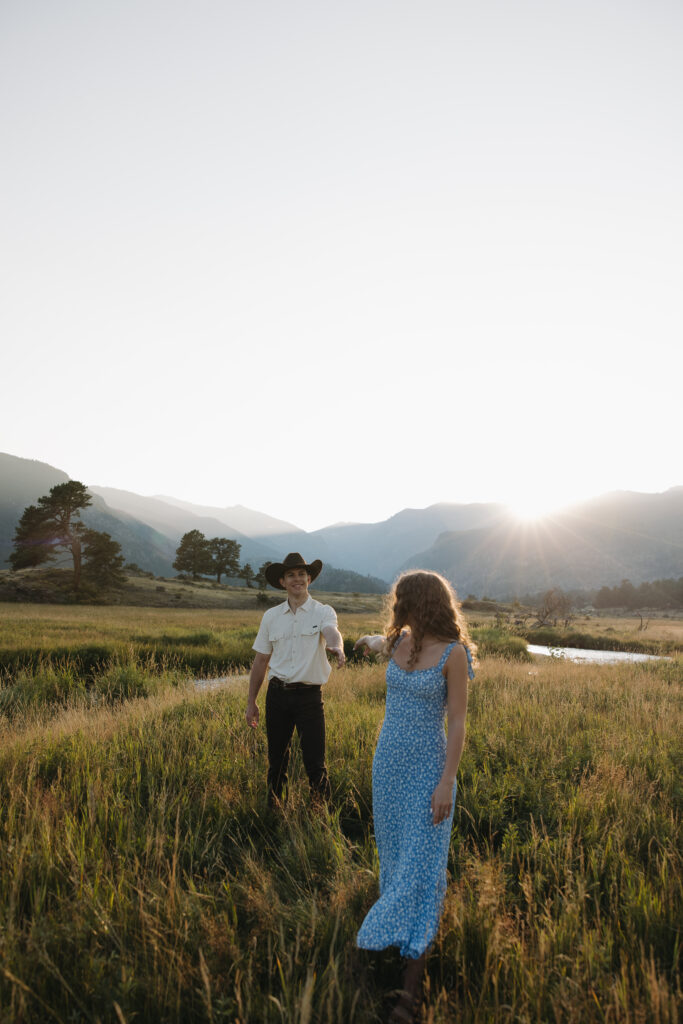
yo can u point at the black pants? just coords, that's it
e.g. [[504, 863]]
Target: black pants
[[287, 710]]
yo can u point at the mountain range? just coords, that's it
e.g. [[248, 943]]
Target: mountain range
[[481, 547]]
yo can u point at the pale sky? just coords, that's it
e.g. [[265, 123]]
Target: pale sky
[[329, 260]]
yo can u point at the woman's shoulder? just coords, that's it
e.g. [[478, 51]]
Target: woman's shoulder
[[459, 658]]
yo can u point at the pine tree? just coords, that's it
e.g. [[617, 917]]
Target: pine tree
[[51, 526], [247, 574], [260, 577], [103, 559]]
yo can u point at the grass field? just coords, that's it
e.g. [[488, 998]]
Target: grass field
[[121, 651], [54, 586], [143, 878]]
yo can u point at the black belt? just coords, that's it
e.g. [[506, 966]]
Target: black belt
[[292, 686]]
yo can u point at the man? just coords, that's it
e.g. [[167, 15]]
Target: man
[[291, 641]]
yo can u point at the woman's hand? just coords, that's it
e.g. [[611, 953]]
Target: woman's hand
[[374, 642], [442, 801]]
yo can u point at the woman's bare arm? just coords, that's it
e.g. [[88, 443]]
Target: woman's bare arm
[[456, 710], [375, 642]]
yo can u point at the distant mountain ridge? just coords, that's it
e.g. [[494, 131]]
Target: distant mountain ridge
[[246, 520], [174, 520], [481, 547], [381, 548], [623, 535], [149, 528]]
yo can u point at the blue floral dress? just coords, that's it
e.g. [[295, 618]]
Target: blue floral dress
[[413, 852]]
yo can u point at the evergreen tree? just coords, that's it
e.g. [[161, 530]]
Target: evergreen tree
[[103, 559], [193, 555], [51, 526], [32, 541], [247, 574], [260, 577], [226, 556], [626, 596], [605, 598]]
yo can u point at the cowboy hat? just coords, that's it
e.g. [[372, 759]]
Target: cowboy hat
[[293, 560]]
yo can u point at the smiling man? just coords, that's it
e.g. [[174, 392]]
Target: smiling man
[[291, 642]]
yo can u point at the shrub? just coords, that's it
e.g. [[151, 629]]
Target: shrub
[[497, 642]]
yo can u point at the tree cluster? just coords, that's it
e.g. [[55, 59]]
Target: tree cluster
[[662, 594], [53, 526], [199, 556]]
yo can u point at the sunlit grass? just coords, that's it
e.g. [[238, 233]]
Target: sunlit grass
[[140, 867]]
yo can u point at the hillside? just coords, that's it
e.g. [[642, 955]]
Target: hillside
[[174, 520], [481, 547], [620, 536], [23, 481], [382, 548]]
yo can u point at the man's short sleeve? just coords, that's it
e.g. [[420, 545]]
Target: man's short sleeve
[[329, 616], [262, 645]]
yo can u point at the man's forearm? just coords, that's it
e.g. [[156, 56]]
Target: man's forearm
[[334, 643], [256, 677], [333, 638]]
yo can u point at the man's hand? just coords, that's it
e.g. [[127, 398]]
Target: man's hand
[[338, 652], [252, 713], [256, 677]]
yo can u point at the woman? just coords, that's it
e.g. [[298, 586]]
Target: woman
[[414, 769]]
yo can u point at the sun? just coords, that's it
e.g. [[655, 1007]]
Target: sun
[[528, 511]]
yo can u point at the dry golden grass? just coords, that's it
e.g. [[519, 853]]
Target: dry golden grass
[[139, 865], [663, 626], [58, 623]]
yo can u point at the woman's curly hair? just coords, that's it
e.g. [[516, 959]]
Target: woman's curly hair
[[426, 603]]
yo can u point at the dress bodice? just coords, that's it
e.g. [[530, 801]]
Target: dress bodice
[[421, 692]]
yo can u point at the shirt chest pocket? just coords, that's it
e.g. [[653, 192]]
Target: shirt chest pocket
[[311, 629]]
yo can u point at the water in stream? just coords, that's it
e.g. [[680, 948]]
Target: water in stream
[[597, 657]]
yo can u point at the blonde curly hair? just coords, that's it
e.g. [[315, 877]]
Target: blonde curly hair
[[426, 604]]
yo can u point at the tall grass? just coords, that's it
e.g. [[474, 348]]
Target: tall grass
[[81, 651], [143, 877]]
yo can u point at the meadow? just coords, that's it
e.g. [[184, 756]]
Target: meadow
[[143, 877]]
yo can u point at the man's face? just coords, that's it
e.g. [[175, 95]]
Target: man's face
[[295, 582]]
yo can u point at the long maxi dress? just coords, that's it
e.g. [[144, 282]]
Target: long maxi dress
[[413, 852]]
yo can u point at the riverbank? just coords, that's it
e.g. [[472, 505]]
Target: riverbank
[[610, 639], [588, 656]]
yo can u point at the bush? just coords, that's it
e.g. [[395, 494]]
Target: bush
[[497, 642], [133, 569]]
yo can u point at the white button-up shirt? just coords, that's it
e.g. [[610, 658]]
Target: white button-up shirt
[[295, 641]]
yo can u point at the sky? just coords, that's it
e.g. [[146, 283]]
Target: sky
[[332, 260]]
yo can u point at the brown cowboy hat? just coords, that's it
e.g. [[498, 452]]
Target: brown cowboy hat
[[293, 560]]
